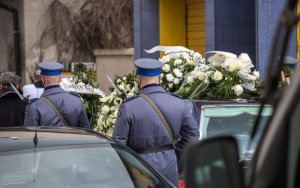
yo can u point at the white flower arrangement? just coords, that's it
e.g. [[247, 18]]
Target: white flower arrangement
[[223, 76], [177, 64], [111, 103], [69, 84]]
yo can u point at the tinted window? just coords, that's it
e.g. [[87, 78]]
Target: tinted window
[[79, 166], [234, 120]]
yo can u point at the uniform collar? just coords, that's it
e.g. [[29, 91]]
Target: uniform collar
[[52, 90], [50, 87], [151, 88], [8, 93]]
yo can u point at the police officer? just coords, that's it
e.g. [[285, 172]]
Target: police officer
[[56, 107], [140, 127]]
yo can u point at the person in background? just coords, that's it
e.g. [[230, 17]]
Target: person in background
[[34, 90], [12, 108], [55, 107], [153, 135]]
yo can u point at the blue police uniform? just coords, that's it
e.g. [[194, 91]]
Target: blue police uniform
[[39, 113], [139, 127]]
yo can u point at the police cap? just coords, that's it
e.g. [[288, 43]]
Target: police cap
[[50, 68], [148, 67]]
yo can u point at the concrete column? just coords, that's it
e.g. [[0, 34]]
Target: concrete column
[[113, 62]]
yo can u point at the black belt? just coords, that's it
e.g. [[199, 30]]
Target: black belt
[[154, 149]]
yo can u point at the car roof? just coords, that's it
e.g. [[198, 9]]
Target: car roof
[[233, 101], [19, 138]]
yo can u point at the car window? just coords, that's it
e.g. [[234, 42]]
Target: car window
[[78, 166], [236, 120]]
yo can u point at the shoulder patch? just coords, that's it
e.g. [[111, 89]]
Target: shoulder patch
[[175, 95], [129, 99], [75, 94]]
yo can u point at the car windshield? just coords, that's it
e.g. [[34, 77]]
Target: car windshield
[[236, 120], [89, 165]]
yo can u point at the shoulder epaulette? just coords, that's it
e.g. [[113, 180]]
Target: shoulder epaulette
[[33, 100], [175, 95], [74, 93], [129, 99]]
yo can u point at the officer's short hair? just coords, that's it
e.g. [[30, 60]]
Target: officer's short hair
[[9, 77]]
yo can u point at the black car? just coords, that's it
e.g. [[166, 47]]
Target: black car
[[66, 157], [232, 117]]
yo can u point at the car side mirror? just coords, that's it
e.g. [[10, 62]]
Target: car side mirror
[[214, 162]]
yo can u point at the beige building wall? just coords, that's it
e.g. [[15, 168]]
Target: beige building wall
[[113, 62], [34, 19], [33, 11]]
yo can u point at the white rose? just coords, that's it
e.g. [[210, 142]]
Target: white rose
[[170, 85], [130, 94], [203, 67], [189, 79], [177, 61], [165, 59], [121, 86], [186, 56], [166, 68], [256, 74], [170, 77], [238, 89], [233, 64], [217, 76], [234, 67], [176, 81], [105, 109], [197, 55], [109, 132], [117, 101], [111, 120], [81, 84], [105, 124], [201, 76], [113, 108], [104, 99], [100, 119], [190, 62], [176, 56], [177, 73]]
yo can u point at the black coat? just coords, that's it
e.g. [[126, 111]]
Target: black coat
[[12, 110]]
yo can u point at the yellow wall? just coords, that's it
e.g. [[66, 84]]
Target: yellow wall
[[172, 22], [196, 25]]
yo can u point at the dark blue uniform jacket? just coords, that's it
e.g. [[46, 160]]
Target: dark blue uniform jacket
[[70, 106], [139, 126]]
